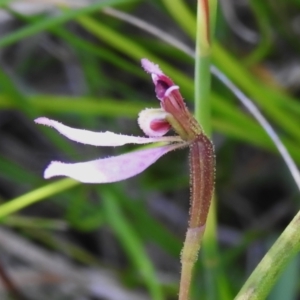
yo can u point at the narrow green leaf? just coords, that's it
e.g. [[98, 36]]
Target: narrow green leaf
[[47, 23], [131, 243], [36, 195]]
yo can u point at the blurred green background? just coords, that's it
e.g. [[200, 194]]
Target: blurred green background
[[73, 62]]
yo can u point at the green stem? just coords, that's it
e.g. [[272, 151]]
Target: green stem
[[265, 275], [189, 256], [206, 20], [216, 285], [202, 67], [202, 91]]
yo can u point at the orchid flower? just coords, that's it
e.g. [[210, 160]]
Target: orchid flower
[[155, 123]]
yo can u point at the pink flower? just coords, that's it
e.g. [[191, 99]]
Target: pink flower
[[154, 122]]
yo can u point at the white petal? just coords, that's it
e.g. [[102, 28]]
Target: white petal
[[110, 169], [100, 138]]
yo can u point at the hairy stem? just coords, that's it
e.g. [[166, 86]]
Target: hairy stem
[[189, 256], [202, 164]]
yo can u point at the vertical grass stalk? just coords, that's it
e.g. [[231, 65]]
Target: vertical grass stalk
[[202, 160], [202, 65], [206, 18]]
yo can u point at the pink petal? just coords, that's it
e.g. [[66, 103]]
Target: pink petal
[[164, 86], [110, 169], [150, 67], [100, 138]]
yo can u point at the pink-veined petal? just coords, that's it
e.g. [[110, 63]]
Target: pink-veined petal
[[153, 121], [100, 138], [110, 169], [159, 127]]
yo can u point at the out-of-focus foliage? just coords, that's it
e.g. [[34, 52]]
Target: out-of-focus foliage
[[81, 66]]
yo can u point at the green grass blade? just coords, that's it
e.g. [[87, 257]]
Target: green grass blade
[[267, 100], [135, 51], [266, 274], [183, 16], [36, 195], [131, 243], [48, 23], [287, 286]]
